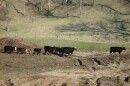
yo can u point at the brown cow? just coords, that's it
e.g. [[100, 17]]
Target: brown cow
[[28, 51], [22, 50]]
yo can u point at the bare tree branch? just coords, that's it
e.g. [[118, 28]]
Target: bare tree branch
[[35, 5], [113, 9], [2, 2], [17, 10], [122, 21]]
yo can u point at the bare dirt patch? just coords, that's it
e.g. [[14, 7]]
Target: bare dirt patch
[[52, 70]]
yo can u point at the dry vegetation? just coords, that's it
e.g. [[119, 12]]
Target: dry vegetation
[[79, 69], [107, 21]]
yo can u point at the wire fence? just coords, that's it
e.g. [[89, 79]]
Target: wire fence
[[84, 38]]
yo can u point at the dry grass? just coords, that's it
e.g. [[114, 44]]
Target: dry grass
[[29, 70], [32, 25], [44, 70], [16, 42]]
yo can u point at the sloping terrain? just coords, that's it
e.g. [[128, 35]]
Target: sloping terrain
[[18, 42], [107, 21], [79, 69], [46, 70]]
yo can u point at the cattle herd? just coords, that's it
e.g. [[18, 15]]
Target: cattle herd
[[49, 50]]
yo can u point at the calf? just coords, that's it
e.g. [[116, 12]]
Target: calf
[[37, 51], [117, 49], [9, 49], [21, 50]]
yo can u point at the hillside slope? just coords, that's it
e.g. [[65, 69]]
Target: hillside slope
[[105, 21]]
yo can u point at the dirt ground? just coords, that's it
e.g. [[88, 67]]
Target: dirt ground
[[52, 70], [79, 69]]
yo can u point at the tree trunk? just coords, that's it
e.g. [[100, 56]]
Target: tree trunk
[[48, 4], [41, 8], [7, 24], [94, 2], [80, 8], [67, 10], [24, 7]]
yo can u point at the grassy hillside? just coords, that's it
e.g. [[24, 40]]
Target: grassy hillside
[[107, 21], [80, 46]]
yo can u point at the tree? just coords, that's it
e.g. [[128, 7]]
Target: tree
[[5, 13], [127, 1], [94, 2], [24, 6], [80, 5]]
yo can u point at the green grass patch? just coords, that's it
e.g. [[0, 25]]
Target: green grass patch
[[81, 46]]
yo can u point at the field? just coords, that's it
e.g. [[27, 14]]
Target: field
[[97, 24], [92, 29], [88, 68], [80, 45]]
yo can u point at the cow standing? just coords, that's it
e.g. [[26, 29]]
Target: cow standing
[[67, 50], [117, 49], [9, 49], [49, 50], [37, 51], [21, 50]]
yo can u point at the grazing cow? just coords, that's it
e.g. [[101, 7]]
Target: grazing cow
[[117, 49], [37, 51], [67, 50], [49, 50], [21, 50], [9, 49]]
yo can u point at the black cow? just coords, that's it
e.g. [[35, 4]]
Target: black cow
[[117, 49], [37, 51], [9, 49], [67, 50], [58, 50], [49, 50]]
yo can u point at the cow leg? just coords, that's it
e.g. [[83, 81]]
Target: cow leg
[[45, 52], [110, 52], [5, 51], [10, 52], [48, 53], [34, 52], [62, 54], [38, 52]]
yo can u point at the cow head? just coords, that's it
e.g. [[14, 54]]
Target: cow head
[[15, 48], [75, 48], [123, 48]]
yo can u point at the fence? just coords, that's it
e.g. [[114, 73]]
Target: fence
[[84, 38]]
